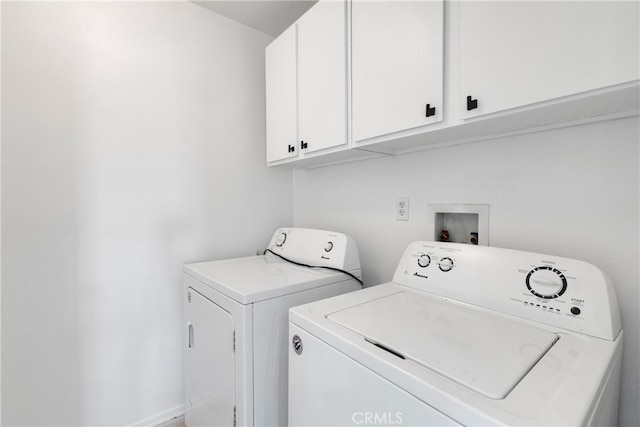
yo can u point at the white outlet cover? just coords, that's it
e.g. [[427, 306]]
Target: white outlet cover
[[402, 209]]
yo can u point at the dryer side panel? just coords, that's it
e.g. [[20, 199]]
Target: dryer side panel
[[209, 363]]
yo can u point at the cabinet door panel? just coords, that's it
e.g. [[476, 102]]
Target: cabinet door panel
[[322, 76], [209, 363], [281, 103], [516, 53], [397, 65]]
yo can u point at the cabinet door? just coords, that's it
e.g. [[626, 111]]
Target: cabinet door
[[516, 53], [281, 95], [322, 76], [209, 363], [397, 65]]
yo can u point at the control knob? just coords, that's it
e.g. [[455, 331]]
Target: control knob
[[446, 264], [424, 260], [546, 282], [282, 237]]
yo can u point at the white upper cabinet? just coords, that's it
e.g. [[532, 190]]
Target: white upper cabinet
[[306, 84], [397, 66], [518, 53], [353, 79], [281, 96], [322, 76]]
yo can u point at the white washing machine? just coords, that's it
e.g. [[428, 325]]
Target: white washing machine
[[236, 323], [463, 335]]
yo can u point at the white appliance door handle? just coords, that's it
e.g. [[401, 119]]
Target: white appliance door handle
[[191, 342]]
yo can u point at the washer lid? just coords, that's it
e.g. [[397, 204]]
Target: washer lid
[[485, 352], [257, 278]]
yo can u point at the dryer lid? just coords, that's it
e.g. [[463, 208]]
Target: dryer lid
[[486, 352]]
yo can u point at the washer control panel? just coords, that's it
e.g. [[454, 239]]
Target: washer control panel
[[316, 247], [566, 293]]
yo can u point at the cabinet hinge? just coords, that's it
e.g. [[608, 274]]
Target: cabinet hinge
[[234, 416], [234, 341]]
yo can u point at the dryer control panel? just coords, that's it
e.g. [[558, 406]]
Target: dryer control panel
[[316, 247], [562, 292]]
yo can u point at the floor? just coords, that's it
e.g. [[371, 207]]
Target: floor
[[176, 422]]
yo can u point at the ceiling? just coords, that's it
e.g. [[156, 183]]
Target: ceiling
[[268, 16]]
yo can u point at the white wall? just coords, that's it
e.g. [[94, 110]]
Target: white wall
[[132, 142], [572, 192]]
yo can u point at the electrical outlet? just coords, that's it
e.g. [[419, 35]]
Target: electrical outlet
[[402, 209]]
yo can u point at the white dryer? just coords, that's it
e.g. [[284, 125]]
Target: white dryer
[[463, 335], [236, 323]]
